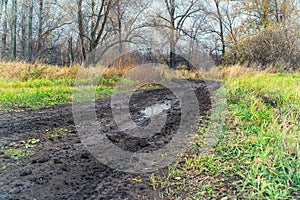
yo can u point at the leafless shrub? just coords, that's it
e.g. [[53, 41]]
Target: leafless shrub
[[275, 46]]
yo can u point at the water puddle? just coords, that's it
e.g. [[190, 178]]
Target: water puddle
[[156, 109]]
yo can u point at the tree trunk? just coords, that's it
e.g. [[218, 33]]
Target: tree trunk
[[14, 31], [222, 37], [71, 54], [93, 33], [172, 50], [40, 33], [4, 29], [30, 39], [120, 31], [23, 30], [1, 7], [172, 35], [81, 29]]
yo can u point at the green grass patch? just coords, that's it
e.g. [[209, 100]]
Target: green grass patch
[[20, 149], [257, 154], [17, 154], [35, 97], [57, 133], [36, 93]]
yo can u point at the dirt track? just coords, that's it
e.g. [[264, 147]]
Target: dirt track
[[62, 168]]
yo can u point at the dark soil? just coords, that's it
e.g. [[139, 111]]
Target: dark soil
[[61, 167]]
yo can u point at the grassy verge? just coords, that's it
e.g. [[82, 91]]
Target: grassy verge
[[25, 85], [42, 92], [257, 155], [33, 86]]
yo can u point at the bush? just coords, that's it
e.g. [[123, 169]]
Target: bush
[[276, 46]]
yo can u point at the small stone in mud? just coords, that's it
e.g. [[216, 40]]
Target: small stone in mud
[[57, 161], [19, 184], [85, 156], [66, 148], [65, 168], [44, 159], [26, 172], [41, 160], [66, 182]]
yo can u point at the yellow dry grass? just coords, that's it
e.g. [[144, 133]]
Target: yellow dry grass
[[25, 71], [215, 72]]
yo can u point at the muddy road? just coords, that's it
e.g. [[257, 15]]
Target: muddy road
[[42, 156]]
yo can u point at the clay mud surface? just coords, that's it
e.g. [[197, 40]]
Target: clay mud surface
[[60, 167]]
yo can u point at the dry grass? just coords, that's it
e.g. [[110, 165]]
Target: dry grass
[[214, 72], [228, 72], [162, 71], [219, 72], [147, 73], [116, 71], [24, 71], [193, 74]]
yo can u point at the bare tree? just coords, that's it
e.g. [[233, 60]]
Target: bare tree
[[93, 34], [262, 13], [174, 22], [126, 19], [221, 30], [223, 26], [59, 32]]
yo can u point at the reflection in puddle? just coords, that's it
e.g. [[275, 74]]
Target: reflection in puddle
[[156, 109]]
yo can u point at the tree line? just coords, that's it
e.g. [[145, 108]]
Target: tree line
[[250, 32]]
